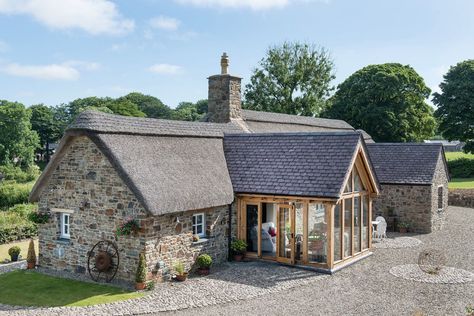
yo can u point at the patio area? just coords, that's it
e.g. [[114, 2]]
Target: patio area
[[367, 287]]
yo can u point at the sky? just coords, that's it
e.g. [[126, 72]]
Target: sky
[[54, 51]]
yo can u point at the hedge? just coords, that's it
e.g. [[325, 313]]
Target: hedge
[[12, 193], [461, 168], [17, 174], [15, 225]]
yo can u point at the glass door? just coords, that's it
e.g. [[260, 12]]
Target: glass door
[[286, 234]]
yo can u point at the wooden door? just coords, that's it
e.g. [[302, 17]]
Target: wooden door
[[286, 234]]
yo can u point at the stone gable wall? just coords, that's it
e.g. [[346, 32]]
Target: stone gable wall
[[440, 179]]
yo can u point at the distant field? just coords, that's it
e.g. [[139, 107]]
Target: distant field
[[458, 183], [457, 155]]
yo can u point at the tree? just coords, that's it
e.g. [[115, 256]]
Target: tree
[[17, 140], [456, 104], [125, 108], [44, 123], [387, 101], [186, 111], [293, 78], [151, 106], [79, 105]]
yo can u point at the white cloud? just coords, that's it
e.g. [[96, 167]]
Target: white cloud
[[92, 16], [87, 65], [252, 4], [165, 23], [165, 69], [48, 72]]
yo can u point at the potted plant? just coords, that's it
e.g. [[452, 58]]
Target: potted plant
[[128, 227], [316, 242], [204, 262], [14, 252], [403, 227], [31, 257], [195, 238], [238, 248], [180, 275], [140, 277]]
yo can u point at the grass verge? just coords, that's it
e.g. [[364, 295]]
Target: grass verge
[[461, 183], [26, 288]]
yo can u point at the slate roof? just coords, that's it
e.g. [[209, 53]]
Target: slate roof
[[267, 122], [169, 166], [405, 163], [301, 164]]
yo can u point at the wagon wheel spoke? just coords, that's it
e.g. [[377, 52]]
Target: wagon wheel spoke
[[103, 261]]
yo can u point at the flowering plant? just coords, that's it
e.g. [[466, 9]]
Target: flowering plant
[[129, 226]]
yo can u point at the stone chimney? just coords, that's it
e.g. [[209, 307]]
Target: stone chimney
[[224, 102]]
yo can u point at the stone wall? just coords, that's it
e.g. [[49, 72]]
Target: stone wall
[[224, 98], [440, 179], [411, 203], [461, 197], [86, 183]]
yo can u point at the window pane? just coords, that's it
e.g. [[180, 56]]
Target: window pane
[[347, 227], [357, 218], [440, 198], [194, 219], [348, 187], [252, 227], [337, 232], [317, 233], [365, 222], [269, 229], [199, 229], [66, 219], [299, 231], [358, 186]]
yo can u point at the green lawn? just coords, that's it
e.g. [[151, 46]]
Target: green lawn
[[461, 183], [456, 155], [26, 288], [22, 244]]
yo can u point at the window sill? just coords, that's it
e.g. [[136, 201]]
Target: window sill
[[200, 241], [63, 241]]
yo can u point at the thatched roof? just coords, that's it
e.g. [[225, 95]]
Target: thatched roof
[[406, 163], [168, 169]]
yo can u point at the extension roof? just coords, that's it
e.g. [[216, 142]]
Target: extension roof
[[405, 163], [170, 166], [297, 164]]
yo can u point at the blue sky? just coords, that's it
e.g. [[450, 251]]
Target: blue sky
[[53, 51]]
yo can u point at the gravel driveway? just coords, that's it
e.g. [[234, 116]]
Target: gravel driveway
[[367, 287]]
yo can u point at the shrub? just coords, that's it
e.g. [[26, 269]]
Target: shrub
[[14, 251], [141, 269], [204, 261], [461, 168], [38, 218], [31, 257], [12, 193], [179, 268], [238, 247], [14, 224], [17, 174]]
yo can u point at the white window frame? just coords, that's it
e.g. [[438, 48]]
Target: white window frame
[[65, 233], [203, 224]]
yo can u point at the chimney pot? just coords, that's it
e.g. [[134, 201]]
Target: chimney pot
[[224, 64]]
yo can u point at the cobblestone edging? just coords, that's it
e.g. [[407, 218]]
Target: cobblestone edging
[[12, 266], [461, 197], [447, 275], [234, 282], [396, 242]]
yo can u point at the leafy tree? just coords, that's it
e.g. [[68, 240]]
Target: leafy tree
[[293, 78], [125, 108], [151, 106], [387, 101], [456, 104], [79, 105], [17, 140], [186, 111], [44, 123], [201, 106]]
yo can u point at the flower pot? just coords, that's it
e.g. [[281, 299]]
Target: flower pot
[[14, 257], [181, 277], [140, 286], [403, 230], [203, 271], [238, 257], [30, 265]]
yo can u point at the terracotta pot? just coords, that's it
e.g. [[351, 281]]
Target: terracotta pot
[[403, 230], [140, 286], [181, 277], [238, 257], [203, 271], [30, 265]]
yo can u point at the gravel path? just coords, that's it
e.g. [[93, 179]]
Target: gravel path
[[365, 288]]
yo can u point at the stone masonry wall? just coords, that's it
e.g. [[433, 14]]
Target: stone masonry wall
[[169, 241], [224, 98], [86, 183], [461, 197], [440, 179], [412, 203]]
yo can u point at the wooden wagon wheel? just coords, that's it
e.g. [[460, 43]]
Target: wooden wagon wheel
[[103, 261]]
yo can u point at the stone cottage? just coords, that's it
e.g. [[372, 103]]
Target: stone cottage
[[414, 184], [298, 189]]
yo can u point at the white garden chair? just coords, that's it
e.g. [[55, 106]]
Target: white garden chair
[[380, 219], [381, 230]]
